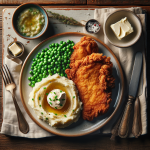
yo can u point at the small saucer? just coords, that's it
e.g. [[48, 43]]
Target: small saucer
[[20, 45]]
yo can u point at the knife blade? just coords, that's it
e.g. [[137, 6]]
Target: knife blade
[[137, 124], [133, 88], [135, 77]]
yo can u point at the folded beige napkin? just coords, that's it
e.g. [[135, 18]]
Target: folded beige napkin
[[10, 123], [126, 58]]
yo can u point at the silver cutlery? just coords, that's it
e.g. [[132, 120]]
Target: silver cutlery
[[133, 88], [137, 124], [10, 86]]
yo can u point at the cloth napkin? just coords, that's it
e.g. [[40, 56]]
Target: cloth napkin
[[10, 123], [126, 58]]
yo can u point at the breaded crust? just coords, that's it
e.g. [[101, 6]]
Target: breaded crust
[[93, 77]]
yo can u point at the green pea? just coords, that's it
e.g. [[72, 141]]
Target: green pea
[[39, 80], [33, 82], [49, 70], [53, 44], [30, 84], [31, 72], [44, 74], [32, 78], [57, 69], [29, 78], [62, 74], [65, 61], [68, 41], [61, 42]]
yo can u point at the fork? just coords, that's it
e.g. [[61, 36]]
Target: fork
[[10, 86]]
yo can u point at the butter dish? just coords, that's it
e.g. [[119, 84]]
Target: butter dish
[[124, 36], [15, 49]]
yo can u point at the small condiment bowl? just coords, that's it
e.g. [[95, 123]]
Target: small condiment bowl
[[130, 39], [20, 45], [22, 7], [91, 21]]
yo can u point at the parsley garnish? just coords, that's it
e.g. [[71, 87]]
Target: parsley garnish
[[42, 113], [40, 21], [44, 88], [63, 99], [46, 93], [65, 116], [39, 98], [50, 103], [56, 96], [50, 99], [55, 114], [54, 93], [60, 104], [33, 99], [40, 105], [60, 91], [55, 107], [73, 96]]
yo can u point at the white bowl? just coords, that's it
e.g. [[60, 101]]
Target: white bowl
[[129, 39]]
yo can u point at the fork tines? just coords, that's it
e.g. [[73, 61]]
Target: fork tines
[[6, 75]]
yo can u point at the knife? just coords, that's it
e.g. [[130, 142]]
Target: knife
[[133, 88]]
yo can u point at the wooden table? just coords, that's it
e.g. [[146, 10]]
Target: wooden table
[[89, 142]]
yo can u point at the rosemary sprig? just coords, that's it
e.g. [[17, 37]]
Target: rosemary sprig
[[65, 19]]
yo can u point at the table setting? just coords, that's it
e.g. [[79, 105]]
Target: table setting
[[123, 54]]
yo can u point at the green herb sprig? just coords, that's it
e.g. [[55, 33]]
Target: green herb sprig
[[65, 19]]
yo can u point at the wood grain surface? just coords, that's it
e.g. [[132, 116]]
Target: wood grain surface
[[91, 142], [118, 2], [49, 2]]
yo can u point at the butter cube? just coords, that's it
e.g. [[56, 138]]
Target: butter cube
[[122, 28], [15, 49]]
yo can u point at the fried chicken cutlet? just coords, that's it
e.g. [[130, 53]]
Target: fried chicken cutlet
[[84, 47], [93, 78]]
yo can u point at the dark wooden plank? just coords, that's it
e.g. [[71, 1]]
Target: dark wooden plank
[[49, 2], [94, 142], [118, 2]]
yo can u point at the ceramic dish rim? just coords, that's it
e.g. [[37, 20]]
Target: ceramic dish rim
[[133, 15], [121, 78]]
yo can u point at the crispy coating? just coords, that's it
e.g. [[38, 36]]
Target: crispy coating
[[93, 78], [84, 47]]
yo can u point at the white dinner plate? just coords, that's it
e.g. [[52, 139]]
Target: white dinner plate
[[81, 127]]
